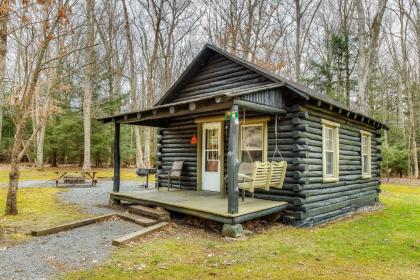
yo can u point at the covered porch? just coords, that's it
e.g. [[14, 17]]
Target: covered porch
[[222, 207], [207, 205]]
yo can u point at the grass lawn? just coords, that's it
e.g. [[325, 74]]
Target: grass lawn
[[38, 207], [380, 245]]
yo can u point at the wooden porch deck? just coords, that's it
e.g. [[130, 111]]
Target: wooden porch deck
[[206, 205]]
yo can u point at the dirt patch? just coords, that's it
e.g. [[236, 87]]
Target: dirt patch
[[401, 181]]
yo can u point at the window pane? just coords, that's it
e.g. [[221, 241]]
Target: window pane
[[212, 140], [364, 145], [252, 136], [365, 164], [251, 156], [329, 163], [212, 165], [329, 143]]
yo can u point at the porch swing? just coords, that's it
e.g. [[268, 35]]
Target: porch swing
[[263, 175]]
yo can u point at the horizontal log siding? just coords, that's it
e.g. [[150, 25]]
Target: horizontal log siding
[[318, 202], [174, 144], [290, 149], [219, 74]]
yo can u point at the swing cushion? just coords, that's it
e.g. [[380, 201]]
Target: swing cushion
[[258, 178], [277, 174]]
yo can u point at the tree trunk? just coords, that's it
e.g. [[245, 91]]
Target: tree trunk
[[133, 85], [87, 97], [368, 41], [298, 38], [4, 18], [40, 147]]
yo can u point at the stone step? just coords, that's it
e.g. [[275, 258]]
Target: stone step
[[149, 212], [140, 233], [140, 220]]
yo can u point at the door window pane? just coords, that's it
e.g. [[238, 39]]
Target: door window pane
[[211, 151]]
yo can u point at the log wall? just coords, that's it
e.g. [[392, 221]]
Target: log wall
[[299, 139], [318, 202]]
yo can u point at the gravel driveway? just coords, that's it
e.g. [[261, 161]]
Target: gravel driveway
[[45, 257]]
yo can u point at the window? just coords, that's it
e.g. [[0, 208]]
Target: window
[[366, 153], [330, 151], [252, 142]]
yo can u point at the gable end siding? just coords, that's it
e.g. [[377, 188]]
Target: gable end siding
[[218, 75]]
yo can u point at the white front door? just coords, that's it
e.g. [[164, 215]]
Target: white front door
[[210, 179]]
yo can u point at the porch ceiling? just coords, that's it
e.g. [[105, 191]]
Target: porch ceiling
[[158, 116]]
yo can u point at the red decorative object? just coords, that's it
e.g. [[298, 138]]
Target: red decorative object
[[193, 140]]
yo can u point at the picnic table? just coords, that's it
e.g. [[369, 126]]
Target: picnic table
[[91, 175]]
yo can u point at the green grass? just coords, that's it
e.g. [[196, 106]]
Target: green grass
[[38, 207], [381, 245]]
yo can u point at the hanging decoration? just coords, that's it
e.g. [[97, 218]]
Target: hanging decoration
[[193, 140]]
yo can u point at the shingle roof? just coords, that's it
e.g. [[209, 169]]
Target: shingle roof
[[293, 86]]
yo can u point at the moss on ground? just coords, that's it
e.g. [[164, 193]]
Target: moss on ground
[[376, 245], [38, 207]]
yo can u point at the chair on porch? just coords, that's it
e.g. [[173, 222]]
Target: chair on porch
[[175, 173], [257, 180], [277, 174]]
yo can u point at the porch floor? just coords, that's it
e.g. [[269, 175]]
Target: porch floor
[[206, 205]]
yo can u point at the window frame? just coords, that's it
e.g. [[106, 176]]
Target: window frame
[[327, 124], [254, 122], [368, 136]]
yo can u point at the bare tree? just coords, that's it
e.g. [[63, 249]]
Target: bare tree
[[368, 40], [133, 84], [89, 83], [304, 15], [4, 18], [23, 98]]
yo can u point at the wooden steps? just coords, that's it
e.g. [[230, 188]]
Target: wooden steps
[[160, 214], [138, 234], [140, 220], [151, 218]]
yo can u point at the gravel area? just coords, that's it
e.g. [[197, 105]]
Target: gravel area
[[95, 200], [46, 256]]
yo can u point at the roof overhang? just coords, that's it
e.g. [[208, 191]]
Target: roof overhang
[[157, 115]]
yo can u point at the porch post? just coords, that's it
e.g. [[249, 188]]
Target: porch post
[[116, 187], [233, 164]]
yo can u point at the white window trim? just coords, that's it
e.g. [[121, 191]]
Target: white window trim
[[336, 138], [369, 146]]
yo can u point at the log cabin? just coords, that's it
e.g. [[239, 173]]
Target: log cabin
[[224, 111]]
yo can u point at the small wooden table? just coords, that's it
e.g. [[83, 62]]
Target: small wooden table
[[90, 174]]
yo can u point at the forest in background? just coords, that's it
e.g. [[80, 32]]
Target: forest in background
[[63, 63]]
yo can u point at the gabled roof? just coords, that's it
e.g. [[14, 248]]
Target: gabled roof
[[300, 89]]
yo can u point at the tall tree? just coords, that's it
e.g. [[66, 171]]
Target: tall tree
[[304, 15], [133, 84], [23, 99], [89, 83], [368, 41], [4, 18]]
